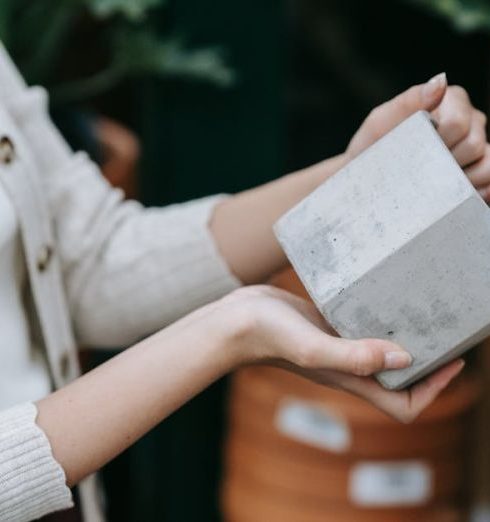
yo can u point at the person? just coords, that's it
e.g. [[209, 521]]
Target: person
[[78, 266]]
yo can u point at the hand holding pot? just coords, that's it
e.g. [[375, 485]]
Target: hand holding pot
[[284, 330], [460, 125]]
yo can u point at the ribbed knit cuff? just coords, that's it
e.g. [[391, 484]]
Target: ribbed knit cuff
[[213, 266], [32, 483]]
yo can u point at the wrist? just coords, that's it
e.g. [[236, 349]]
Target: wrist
[[224, 326], [320, 172], [238, 323]]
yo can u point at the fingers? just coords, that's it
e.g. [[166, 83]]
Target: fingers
[[387, 116], [463, 130], [454, 116], [361, 358], [424, 393], [479, 174], [423, 97], [485, 193], [471, 147], [404, 405], [460, 125]]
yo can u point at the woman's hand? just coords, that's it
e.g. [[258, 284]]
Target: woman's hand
[[278, 328], [460, 125], [242, 225], [103, 412]]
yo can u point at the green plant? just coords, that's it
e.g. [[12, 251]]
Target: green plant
[[38, 34], [465, 15]]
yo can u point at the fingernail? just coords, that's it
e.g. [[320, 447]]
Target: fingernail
[[459, 369], [434, 85], [397, 360]]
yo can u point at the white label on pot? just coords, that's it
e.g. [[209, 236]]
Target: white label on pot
[[313, 424], [390, 483]]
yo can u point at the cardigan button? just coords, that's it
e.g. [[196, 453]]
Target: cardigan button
[[44, 257], [7, 150]]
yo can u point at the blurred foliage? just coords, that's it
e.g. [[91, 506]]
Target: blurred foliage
[[134, 9], [465, 15], [40, 34]]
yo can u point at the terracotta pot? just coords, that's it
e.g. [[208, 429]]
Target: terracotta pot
[[297, 451], [247, 502], [251, 419], [121, 152], [460, 396], [327, 483], [265, 404], [288, 280]]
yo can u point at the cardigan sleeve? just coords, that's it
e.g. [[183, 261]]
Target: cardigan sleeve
[[32, 483], [131, 270], [128, 270]]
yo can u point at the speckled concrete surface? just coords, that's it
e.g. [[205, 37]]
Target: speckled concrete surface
[[396, 245]]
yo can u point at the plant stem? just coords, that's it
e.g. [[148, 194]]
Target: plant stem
[[87, 87], [50, 45]]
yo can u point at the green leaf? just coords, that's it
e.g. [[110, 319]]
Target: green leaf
[[131, 9], [141, 52], [138, 53], [465, 15]]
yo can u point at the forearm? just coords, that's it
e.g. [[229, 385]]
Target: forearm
[[92, 420], [242, 225]]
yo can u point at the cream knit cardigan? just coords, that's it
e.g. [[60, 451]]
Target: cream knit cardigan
[[124, 272]]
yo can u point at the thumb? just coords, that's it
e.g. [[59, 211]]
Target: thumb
[[363, 357], [432, 92], [423, 97]]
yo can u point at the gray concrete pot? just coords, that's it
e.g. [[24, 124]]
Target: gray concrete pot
[[396, 246]]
